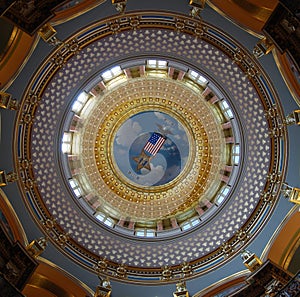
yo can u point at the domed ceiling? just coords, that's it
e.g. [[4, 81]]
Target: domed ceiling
[[150, 147]]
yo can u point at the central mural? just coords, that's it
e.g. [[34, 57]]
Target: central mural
[[151, 148]]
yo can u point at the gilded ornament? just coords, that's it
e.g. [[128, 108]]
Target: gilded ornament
[[114, 27], [186, 269], [33, 99], [25, 163], [101, 266], [268, 197], [58, 60], [199, 30], [11, 177], [251, 71], [166, 273], [276, 132], [73, 45], [27, 118], [242, 235], [227, 248], [62, 239], [121, 271], [134, 22], [238, 56], [272, 112], [274, 177], [180, 25], [49, 223], [29, 183]]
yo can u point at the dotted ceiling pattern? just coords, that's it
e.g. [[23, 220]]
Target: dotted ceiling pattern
[[103, 44]]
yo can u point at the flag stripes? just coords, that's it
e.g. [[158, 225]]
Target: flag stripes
[[154, 144]]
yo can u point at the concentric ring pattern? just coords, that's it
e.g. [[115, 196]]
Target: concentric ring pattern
[[205, 142], [74, 66]]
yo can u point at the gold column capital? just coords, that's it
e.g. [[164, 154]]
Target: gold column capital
[[263, 47], [120, 5], [37, 247], [6, 178], [250, 260], [196, 7], [181, 290], [104, 289], [291, 193], [293, 118], [7, 101], [48, 34]]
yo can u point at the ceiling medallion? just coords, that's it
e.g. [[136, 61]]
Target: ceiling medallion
[[150, 148], [153, 155], [242, 83]]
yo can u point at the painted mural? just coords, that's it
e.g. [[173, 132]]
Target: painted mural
[[151, 148]]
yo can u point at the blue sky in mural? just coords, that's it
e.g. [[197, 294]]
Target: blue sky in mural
[[131, 138]]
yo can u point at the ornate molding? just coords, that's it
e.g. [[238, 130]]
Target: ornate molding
[[228, 65]]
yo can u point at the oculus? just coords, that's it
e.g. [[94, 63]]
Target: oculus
[[151, 148]]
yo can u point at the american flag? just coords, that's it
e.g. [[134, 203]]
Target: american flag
[[154, 143]]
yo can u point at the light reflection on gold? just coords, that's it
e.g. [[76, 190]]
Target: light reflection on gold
[[40, 281], [73, 279], [290, 255], [255, 15], [17, 49], [259, 12], [11, 40]]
